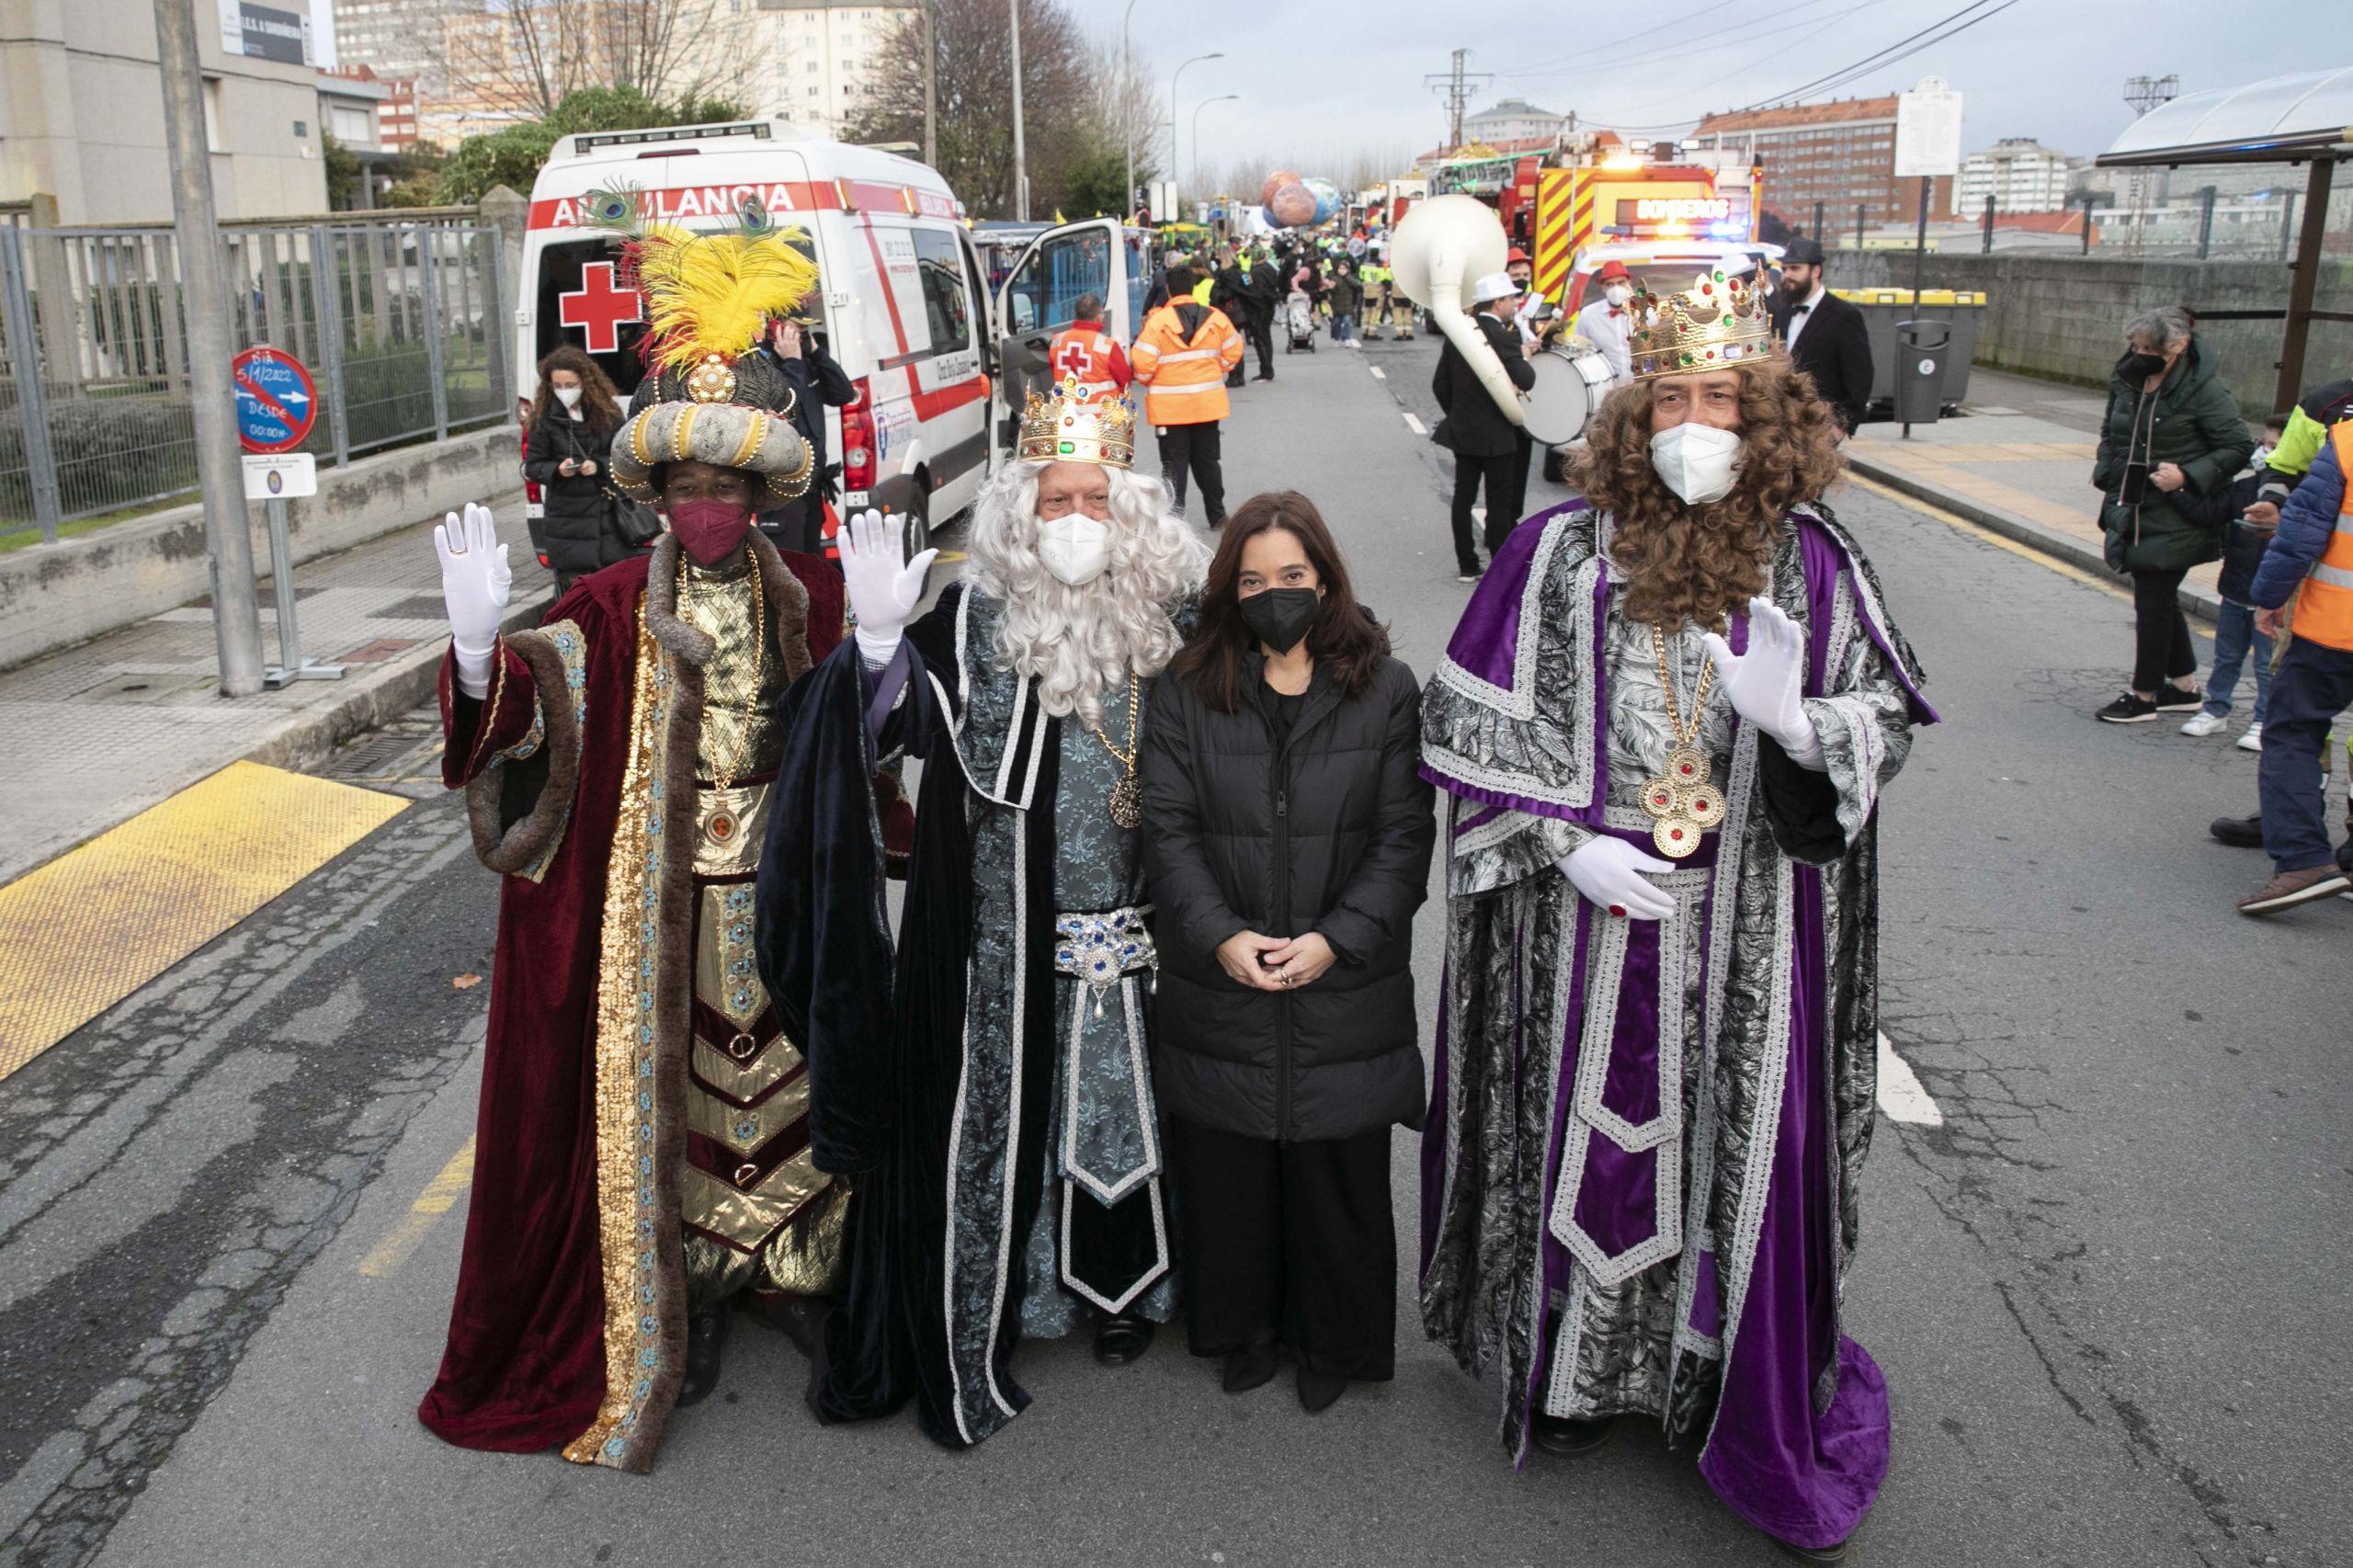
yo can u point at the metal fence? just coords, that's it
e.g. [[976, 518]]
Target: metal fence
[[399, 322]]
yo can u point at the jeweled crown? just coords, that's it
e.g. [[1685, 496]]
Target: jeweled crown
[[1070, 426], [1721, 320]]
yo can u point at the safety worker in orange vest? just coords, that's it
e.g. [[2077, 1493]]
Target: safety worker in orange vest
[[1088, 355], [2305, 586], [1181, 358]]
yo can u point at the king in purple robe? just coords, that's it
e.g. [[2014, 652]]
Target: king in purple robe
[[1665, 722]]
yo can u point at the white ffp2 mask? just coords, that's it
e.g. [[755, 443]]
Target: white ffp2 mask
[[1075, 549], [1618, 294], [568, 396], [1696, 461]]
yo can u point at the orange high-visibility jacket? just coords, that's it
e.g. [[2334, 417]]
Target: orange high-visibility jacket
[[1087, 351], [1184, 374], [2323, 612]]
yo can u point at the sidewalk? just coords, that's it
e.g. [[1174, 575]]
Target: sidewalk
[[101, 731], [2019, 462]]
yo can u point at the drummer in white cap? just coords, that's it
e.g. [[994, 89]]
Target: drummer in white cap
[[1602, 322]]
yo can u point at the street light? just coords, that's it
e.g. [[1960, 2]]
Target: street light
[[1221, 98], [1126, 114], [1173, 80]]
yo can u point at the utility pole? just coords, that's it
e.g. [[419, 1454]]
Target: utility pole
[[236, 619], [1020, 155], [1458, 83], [930, 83], [1127, 112]]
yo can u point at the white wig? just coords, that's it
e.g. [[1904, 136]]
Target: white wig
[[1081, 643]]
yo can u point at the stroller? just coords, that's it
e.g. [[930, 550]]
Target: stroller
[[1299, 321]]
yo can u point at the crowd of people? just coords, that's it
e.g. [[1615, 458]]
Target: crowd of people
[[1134, 1049]]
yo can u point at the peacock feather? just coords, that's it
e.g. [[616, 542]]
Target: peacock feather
[[616, 211]]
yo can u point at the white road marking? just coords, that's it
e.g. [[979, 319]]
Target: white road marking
[[1901, 1097], [1415, 425], [1378, 373]]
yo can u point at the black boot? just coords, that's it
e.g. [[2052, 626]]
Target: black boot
[[1251, 1366], [1558, 1435], [1834, 1552], [706, 1340], [1121, 1338], [2239, 832], [1319, 1391]]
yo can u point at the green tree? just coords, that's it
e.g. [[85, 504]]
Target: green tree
[[346, 184], [1094, 182], [513, 154]]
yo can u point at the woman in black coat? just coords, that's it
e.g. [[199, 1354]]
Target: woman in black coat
[[1287, 835], [571, 430]]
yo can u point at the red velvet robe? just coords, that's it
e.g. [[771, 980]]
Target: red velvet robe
[[555, 1337]]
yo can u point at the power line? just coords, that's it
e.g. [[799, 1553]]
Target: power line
[[1873, 60], [1930, 43], [1608, 57]]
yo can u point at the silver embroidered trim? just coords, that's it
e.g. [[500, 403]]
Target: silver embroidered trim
[[1131, 1007], [1520, 702], [1561, 1383], [1143, 1282]]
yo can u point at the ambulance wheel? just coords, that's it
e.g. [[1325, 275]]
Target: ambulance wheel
[[1553, 468]]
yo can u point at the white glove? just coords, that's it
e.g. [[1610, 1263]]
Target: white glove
[[884, 587], [1764, 684], [476, 581], [1609, 871]]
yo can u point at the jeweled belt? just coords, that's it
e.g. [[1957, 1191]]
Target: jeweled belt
[[1099, 950]]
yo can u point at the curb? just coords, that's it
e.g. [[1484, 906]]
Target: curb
[[309, 738], [2198, 602]]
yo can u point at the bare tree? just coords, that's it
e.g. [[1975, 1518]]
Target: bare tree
[[1060, 92], [517, 59]]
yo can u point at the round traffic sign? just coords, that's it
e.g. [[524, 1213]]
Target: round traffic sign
[[276, 404]]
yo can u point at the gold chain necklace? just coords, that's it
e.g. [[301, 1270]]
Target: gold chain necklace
[[722, 776], [1126, 795], [1683, 801]]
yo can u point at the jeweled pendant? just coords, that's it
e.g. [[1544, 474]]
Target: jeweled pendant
[[1704, 804], [1660, 795], [1127, 803], [1676, 837], [1688, 766]]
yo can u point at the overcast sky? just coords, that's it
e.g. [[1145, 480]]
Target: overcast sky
[[1318, 79]]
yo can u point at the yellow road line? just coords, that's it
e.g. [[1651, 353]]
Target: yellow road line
[[440, 1196], [950, 557], [2000, 542], [83, 932]]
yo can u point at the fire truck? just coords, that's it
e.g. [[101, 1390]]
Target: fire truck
[[1605, 190]]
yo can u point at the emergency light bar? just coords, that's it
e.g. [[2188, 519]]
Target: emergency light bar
[[759, 130]]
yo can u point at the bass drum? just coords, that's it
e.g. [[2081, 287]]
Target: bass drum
[[1570, 385]]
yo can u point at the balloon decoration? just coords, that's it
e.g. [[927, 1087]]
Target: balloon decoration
[[1275, 182], [1327, 198], [1293, 202], [1292, 207]]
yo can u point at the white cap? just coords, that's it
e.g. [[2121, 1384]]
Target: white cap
[[1493, 286]]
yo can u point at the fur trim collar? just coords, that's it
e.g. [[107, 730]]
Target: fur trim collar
[[788, 606]]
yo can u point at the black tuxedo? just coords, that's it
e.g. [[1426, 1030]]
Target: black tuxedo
[[1836, 350]]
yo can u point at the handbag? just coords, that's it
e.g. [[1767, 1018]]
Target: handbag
[[637, 524]]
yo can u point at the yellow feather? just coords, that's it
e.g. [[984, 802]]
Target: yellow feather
[[713, 294]]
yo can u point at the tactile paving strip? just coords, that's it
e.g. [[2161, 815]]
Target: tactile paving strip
[[95, 923]]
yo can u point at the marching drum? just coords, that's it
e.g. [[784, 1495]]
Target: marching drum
[[1570, 385]]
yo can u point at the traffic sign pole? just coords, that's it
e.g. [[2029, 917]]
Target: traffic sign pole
[[276, 405]]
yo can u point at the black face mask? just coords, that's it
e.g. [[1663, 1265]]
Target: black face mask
[[1280, 616], [2135, 366]]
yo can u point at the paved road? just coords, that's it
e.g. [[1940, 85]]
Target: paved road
[[2107, 1288]]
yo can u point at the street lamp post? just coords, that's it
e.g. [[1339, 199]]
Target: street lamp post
[[930, 85], [1020, 156], [1221, 98], [1127, 110], [1173, 80]]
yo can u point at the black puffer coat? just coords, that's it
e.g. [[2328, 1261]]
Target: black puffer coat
[[577, 532], [1327, 829]]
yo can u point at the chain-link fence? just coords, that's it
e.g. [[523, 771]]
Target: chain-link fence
[[399, 322]]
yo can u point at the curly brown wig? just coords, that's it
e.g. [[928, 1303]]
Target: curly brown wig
[[1684, 562], [600, 403]]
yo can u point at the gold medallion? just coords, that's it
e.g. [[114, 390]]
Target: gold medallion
[[1687, 765], [1683, 801], [1659, 795], [1675, 837], [1126, 799], [1704, 804]]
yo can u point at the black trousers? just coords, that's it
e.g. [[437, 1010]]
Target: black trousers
[[2312, 687], [2162, 651], [1527, 461], [1195, 447], [1500, 476], [1260, 330], [1291, 1244]]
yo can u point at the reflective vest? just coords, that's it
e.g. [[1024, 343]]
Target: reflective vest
[[1087, 351], [2323, 606], [1184, 380]]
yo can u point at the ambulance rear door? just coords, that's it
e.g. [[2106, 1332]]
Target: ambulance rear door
[[1039, 297]]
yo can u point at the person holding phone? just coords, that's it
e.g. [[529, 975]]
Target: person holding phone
[[571, 430]]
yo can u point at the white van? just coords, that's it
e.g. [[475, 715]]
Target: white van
[[903, 299]]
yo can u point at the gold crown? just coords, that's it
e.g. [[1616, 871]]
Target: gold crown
[[1719, 321], [1070, 426]]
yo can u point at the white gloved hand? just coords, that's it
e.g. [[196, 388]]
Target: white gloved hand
[[1609, 872], [476, 582], [1765, 685], [884, 587]]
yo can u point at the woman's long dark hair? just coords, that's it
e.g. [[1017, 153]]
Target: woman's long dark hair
[[1345, 640], [600, 403]]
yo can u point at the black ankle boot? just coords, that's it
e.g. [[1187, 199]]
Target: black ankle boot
[[1251, 1366], [1121, 1338], [1318, 1391], [1559, 1435], [706, 1341]]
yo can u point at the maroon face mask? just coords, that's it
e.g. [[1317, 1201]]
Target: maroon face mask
[[710, 529]]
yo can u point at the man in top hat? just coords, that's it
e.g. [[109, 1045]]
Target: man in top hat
[[1666, 721], [1825, 335], [642, 1160]]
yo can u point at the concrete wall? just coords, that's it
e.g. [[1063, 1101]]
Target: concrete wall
[[82, 116], [2062, 316], [52, 596]]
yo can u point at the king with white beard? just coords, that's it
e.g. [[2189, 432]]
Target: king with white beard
[[984, 1082]]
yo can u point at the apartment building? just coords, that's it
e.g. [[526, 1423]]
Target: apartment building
[[1840, 154], [2020, 173], [822, 60]]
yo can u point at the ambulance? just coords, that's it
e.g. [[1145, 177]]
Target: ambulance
[[902, 301]]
